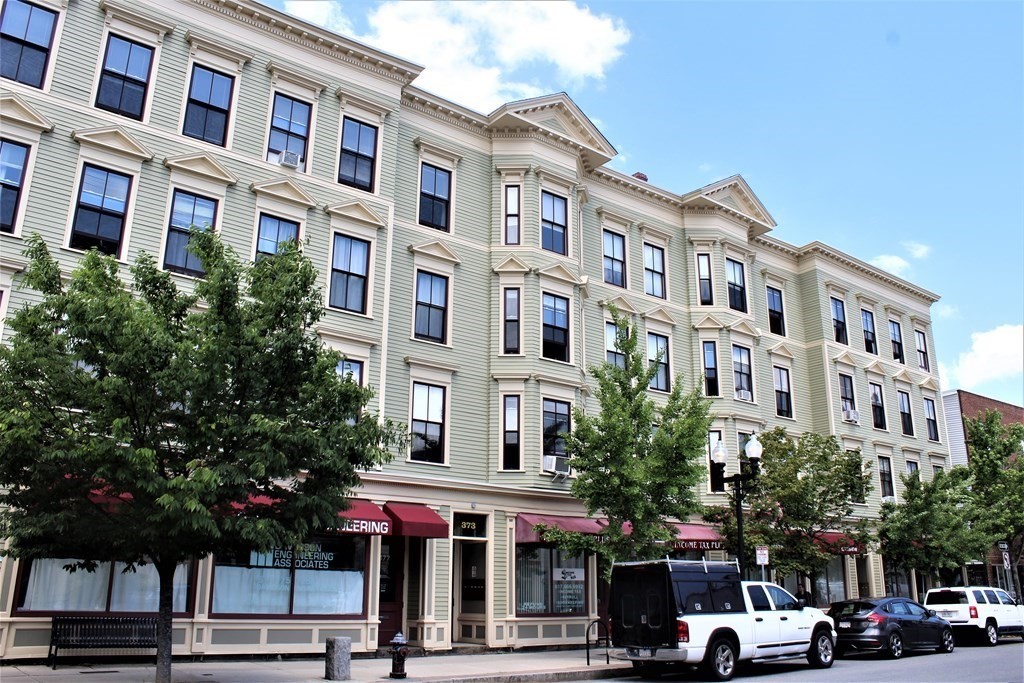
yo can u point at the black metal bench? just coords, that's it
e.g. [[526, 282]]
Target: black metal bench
[[91, 633]]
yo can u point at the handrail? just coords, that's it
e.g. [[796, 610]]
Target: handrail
[[597, 639]]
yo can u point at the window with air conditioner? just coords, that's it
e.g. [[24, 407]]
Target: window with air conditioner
[[556, 420], [743, 377], [847, 401]]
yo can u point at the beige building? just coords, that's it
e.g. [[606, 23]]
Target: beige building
[[468, 264]]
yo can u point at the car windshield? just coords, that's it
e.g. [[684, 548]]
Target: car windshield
[[849, 609], [946, 598]]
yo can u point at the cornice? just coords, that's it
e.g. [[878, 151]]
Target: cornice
[[451, 115], [634, 187], [822, 249]]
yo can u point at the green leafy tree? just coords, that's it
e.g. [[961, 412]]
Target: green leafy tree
[[145, 425], [637, 463], [805, 488], [997, 470]]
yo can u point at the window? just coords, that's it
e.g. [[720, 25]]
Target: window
[[50, 588], [512, 320], [922, 350], [358, 154], [710, 368], [101, 210], [743, 382], [556, 426], [510, 453], [930, 420], [783, 399], [431, 307], [208, 106], [350, 267], [654, 271], [896, 334], [26, 35], [657, 353], [351, 370], [187, 210], [427, 423], [124, 77], [707, 292], [846, 399], [435, 190], [776, 321], [906, 420], [885, 476], [614, 259], [737, 285], [549, 581], [839, 320], [289, 129], [867, 319], [512, 214], [714, 436], [273, 233], [556, 328], [553, 223], [936, 469], [13, 159], [912, 469], [877, 406], [612, 353]]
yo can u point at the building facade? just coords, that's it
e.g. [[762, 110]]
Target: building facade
[[470, 263]]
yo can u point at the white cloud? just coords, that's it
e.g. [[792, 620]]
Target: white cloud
[[946, 311], [996, 354], [916, 249], [897, 265]]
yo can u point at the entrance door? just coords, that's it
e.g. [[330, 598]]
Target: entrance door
[[391, 588], [471, 590]]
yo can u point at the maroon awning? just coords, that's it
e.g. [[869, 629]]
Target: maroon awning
[[413, 519], [364, 517], [697, 537], [526, 522], [843, 544]]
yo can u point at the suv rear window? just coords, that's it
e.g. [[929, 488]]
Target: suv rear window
[[946, 598], [979, 597]]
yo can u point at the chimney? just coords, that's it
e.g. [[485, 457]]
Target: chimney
[[640, 175]]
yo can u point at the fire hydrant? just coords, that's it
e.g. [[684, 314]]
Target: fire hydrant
[[398, 654]]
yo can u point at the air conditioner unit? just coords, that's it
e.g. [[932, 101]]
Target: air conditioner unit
[[558, 464], [888, 499], [851, 416], [744, 395], [289, 159]]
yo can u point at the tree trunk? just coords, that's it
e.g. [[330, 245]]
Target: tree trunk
[[165, 569]]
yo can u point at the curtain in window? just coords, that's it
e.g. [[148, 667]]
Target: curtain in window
[[51, 587], [139, 591], [251, 590]]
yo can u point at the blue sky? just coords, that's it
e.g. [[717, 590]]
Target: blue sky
[[891, 130]]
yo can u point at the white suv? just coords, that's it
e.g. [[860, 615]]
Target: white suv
[[978, 611]]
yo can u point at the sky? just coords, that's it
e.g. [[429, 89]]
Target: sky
[[893, 131]]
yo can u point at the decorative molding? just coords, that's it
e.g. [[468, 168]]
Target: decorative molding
[[894, 312], [781, 350], [653, 234], [865, 301], [544, 172], [836, 289], [130, 13], [560, 272], [431, 364], [217, 47], [605, 215], [427, 147], [621, 304], [874, 367], [540, 377], [357, 211], [844, 358], [903, 376], [346, 337], [772, 278], [437, 250], [347, 97], [659, 314], [203, 165], [114, 139], [13, 109], [284, 73], [708, 322], [512, 265], [929, 383], [742, 327], [284, 189]]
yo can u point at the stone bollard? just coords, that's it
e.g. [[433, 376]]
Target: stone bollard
[[339, 659]]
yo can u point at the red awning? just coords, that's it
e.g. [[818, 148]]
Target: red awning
[[841, 543], [364, 517], [413, 519], [525, 524], [697, 537]]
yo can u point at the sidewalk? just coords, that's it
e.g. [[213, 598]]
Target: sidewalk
[[518, 667]]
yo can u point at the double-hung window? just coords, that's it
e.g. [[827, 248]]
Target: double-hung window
[[512, 214], [556, 328], [350, 267], [839, 320], [125, 77], [885, 477], [931, 420], [428, 415], [654, 271], [913, 468], [209, 105], [846, 398], [867, 319], [896, 335], [922, 350], [877, 406], [101, 210], [906, 419], [289, 130], [352, 370], [743, 378], [358, 154], [554, 227], [783, 398], [431, 307], [511, 320], [435, 191], [737, 285], [26, 37], [273, 233], [556, 426], [13, 160], [707, 292], [612, 353], [776, 319], [614, 259], [510, 451], [187, 210], [657, 354], [710, 353]]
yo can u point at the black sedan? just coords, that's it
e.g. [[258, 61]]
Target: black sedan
[[891, 626]]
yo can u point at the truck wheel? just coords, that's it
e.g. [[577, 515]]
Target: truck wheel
[[821, 653], [720, 660]]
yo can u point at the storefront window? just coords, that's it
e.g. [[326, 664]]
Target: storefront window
[[324, 576], [549, 581], [830, 585], [109, 588]]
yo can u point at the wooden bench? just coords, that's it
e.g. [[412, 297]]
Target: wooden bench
[[92, 633]]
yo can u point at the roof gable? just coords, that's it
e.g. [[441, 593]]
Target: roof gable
[[203, 165], [114, 139], [735, 193], [355, 210], [284, 189]]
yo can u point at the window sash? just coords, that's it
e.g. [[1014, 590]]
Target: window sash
[[906, 418], [511, 453], [737, 285], [839, 321], [556, 328], [922, 351], [187, 210], [557, 420], [26, 39], [867, 319], [512, 214], [614, 259], [358, 154], [554, 223], [896, 335], [742, 377], [289, 128], [428, 423], [706, 291], [13, 162], [885, 476], [350, 267], [877, 406], [122, 88], [208, 109], [431, 321], [612, 354], [658, 344], [101, 211], [511, 318], [273, 233], [654, 271], [435, 194], [710, 368], [930, 420], [783, 398], [846, 397], [538, 581], [776, 319]]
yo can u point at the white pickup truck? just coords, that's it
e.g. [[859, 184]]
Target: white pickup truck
[[696, 613]]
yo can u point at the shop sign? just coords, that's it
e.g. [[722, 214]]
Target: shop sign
[[569, 594], [365, 526], [469, 526], [569, 574], [697, 545], [306, 556]]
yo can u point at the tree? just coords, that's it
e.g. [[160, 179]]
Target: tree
[[147, 425], [997, 470], [805, 489], [637, 463], [931, 530]]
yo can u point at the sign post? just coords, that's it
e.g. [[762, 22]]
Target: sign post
[[762, 558]]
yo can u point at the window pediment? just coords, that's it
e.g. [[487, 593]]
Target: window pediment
[[742, 327], [355, 210], [512, 265], [708, 322], [278, 72], [659, 314], [130, 14], [845, 358], [337, 336], [352, 103], [433, 152], [929, 383], [436, 250], [903, 376], [284, 189], [13, 109], [113, 139], [212, 46], [654, 235], [875, 368], [781, 351], [621, 304], [560, 272], [202, 165]]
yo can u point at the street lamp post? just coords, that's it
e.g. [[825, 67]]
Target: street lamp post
[[719, 456]]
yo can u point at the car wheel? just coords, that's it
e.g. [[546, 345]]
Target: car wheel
[[822, 651], [991, 634], [720, 661], [895, 645], [948, 643]]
